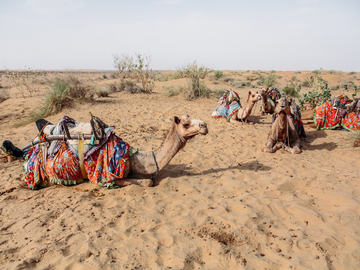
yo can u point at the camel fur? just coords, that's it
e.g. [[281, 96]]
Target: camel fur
[[283, 132], [267, 107], [241, 117], [142, 162]]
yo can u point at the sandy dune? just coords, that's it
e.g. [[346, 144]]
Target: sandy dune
[[222, 203]]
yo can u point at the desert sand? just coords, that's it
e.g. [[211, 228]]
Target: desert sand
[[221, 203]]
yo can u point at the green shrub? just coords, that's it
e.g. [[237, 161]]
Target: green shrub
[[173, 91], [104, 76], [308, 82], [320, 94], [195, 73], [316, 72], [218, 74], [352, 73], [291, 91], [61, 93]]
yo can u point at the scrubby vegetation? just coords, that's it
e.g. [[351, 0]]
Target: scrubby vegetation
[[61, 93], [194, 72], [268, 81], [291, 91], [319, 95], [218, 74], [137, 68]]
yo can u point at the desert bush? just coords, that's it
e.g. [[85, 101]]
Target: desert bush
[[291, 91], [332, 72], [294, 81], [316, 72], [253, 85], [227, 79], [3, 95], [320, 94], [123, 65], [268, 81], [308, 82], [195, 73], [113, 87], [140, 68], [218, 74], [335, 87], [102, 92], [63, 92], [352, 73], [104, 76], [173, 91], [240, 84]]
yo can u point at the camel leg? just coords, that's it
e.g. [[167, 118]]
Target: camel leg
[[139, 182], [272, 147], [235, 121], [296, 149]]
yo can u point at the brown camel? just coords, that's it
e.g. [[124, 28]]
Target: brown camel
[[283, 132], [267, 105], [146, 162], [241, 117]]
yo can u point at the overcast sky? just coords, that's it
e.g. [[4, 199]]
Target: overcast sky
[[222, 34]]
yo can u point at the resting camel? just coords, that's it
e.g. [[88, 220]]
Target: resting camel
[[241, 116], [107, 164], [283, 132], [143, 162], [267, 105]]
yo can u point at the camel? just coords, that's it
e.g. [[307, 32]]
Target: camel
[[283, 132], [143, 162], [268, 106], [241, 116]]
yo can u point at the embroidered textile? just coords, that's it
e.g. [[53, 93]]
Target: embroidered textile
[[102, 166]]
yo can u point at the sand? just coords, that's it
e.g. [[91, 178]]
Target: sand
[[221, 203]]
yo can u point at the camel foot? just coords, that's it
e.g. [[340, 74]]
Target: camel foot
[[267, 150], [295, 150], [145, 183]]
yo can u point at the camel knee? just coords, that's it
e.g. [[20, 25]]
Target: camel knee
[[295, 150], [145, 183]]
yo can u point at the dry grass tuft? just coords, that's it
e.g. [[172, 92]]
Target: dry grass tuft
[[61, 93]]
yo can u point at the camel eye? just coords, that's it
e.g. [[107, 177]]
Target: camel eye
[[186, 125]]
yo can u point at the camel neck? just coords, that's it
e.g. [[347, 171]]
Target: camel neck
[[172, 144], [264, 99]]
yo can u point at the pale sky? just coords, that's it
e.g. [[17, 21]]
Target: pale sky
[[223, 34]]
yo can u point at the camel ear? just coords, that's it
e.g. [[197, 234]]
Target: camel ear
[[176, 119], [249, 92], [187, 116], [290, 99]]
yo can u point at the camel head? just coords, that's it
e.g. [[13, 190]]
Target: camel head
[[254, 96], [264, 92], [189, 128], [283, 106]]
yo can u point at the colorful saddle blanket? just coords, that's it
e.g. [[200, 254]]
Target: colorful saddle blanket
[[227, 107], [274, 94], [58, 163], [332, 114]]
